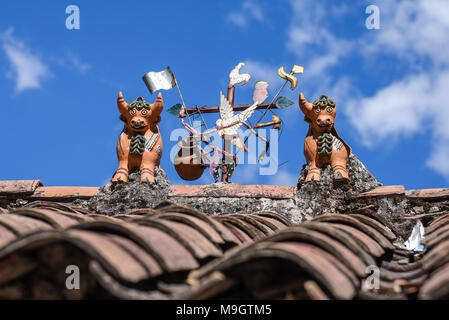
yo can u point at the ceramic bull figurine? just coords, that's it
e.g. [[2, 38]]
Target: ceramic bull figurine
[[139, 145], [323, 145]]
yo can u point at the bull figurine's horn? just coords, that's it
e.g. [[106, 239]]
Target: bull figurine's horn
[[122, 104], [304, 104], [158, 104]]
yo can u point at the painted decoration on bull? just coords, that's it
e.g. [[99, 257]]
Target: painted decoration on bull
[[322, 145]]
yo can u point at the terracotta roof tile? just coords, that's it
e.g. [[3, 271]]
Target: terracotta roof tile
[[332, 252], [193, 240], [323, 266], [128, 251], [34, 190], [360, 249], [381, 228], [435, 262], [117, 256], [437, 287], [428, 193], [365, 225], [245, 227], [323, 241], [64, 192], [21, 187], [384, 191], [56, 220], [204, 227], [21, 225], [176, 252], [6, 236]]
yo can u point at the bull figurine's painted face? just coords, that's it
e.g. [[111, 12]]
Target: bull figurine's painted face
[[320, 114], [140, 115]]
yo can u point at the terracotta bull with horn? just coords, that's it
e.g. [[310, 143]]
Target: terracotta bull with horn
[[323, 145], [140, 144]]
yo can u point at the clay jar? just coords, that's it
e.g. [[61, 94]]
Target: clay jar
[[189, 163]]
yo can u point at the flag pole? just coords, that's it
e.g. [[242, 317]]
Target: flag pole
[[182, 100]]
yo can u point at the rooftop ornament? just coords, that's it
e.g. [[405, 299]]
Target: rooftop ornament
[[322, 144], [192, 159], [139, 145]]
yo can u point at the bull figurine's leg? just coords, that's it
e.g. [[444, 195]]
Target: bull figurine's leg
[[314, 173], [120, 175], [340, 173], [147, 166], [310, 152], [122, 154], [150, 159], [147, 175], [339, 160]]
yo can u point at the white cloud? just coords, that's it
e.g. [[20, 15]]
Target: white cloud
[[250, 10], [396, 110], [413, 33], [27, 68], [260, 71], [75, 63], [438, 160], [311, 40], [410, 106], [253, 9], [237, 18], [412, 29]]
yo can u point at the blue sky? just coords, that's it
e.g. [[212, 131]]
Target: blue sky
[[59, 86]]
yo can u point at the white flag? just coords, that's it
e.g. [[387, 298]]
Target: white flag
[[164, 79]]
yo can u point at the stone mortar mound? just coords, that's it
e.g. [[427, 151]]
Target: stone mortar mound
[[120, 197], [326, 196]]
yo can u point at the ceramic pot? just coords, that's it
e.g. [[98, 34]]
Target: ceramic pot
[[189, 163]]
